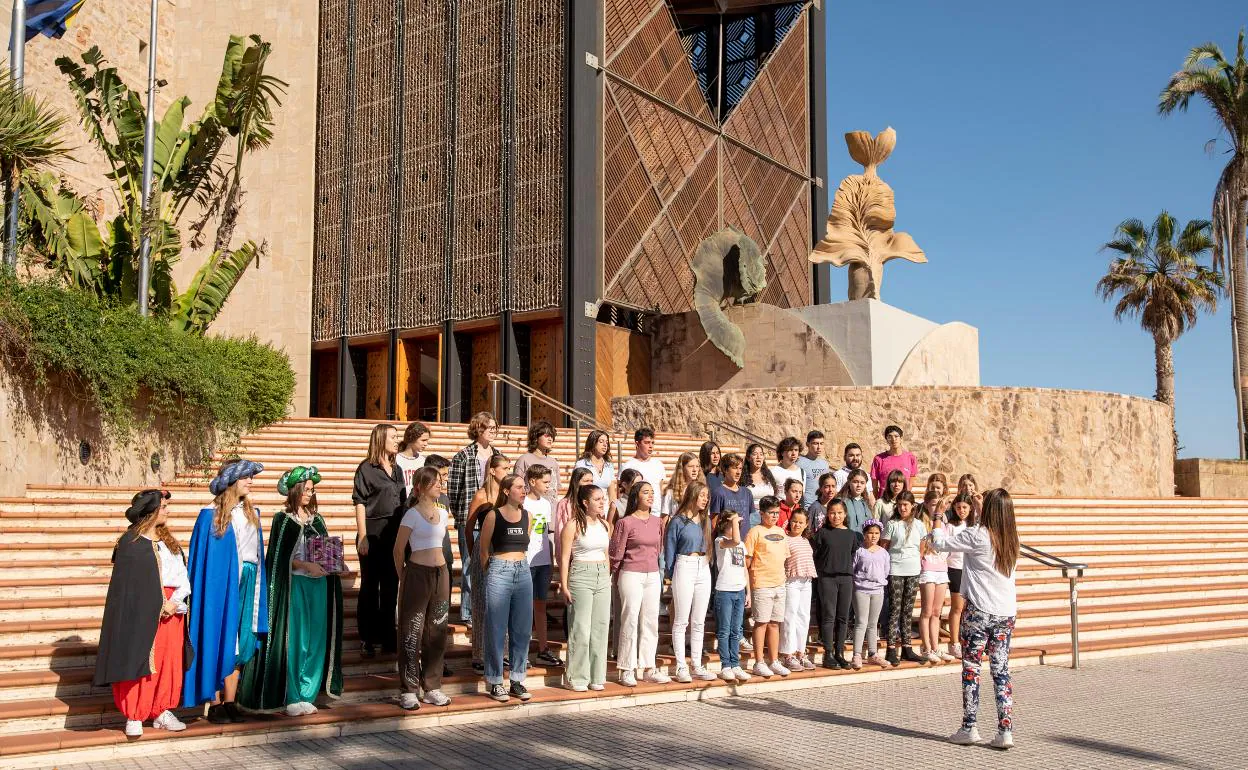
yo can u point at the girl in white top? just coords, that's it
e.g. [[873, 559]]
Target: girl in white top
[[990, 554], [961, 516], [757, 476], [585, 582], [902, 536], [688, 470], [424, 593], [732, 592], [596, 458], [886, 505]]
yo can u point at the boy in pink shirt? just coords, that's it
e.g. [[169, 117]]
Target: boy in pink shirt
[[893, 459]]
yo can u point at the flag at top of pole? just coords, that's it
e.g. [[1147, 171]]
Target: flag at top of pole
[[50, 17]]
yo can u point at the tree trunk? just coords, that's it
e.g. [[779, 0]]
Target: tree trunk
[[1239, 309], [1164, 351]]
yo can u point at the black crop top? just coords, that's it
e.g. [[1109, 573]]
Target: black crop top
[[508, 537]]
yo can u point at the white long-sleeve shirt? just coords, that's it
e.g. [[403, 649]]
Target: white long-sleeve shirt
[[982, 586], [173, 574]]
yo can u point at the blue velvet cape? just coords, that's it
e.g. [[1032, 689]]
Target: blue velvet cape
[[215, 606]]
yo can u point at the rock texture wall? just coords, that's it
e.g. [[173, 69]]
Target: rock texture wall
[[1200, 477], [1029, 440]]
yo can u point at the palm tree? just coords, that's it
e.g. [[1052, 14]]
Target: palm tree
[[1156, 277], [1224, 87], [29, 133]]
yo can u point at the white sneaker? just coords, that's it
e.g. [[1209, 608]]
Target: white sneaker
[[807, 663], [741, 674], [967, 736], [934, 658], [682, 675], [763, 670], [628, 679], [134, 728], [778, 668], [1004, 740], [167, 721], [655, 676], [702, 675], [746, 646], [436, 698], [409, 701], [728, 674], [292, 710], [597, 687], [946, 657], [578, 688], [956, 651]]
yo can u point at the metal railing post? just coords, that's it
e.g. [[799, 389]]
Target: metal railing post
[[494, 397], [528, 410], [1074, 620], [578, 434]]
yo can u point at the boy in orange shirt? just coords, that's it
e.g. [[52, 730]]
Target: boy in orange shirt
[[766, 549]]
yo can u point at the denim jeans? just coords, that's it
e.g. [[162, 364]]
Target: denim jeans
[[465, 582], [729, 610], [508, 613]]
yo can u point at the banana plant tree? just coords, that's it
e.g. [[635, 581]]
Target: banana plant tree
[[193, 171]]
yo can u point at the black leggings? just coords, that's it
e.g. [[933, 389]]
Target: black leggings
[[835, 594]]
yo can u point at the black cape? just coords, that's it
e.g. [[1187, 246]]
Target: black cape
[[131, 612]]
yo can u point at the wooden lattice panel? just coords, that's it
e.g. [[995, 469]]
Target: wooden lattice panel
[[669, 145], [770, 190], [631, 203], [788, 266], [535, 272], [694, 211], [331, 133], [763, 119], [655, 60], [422, 239], [475, 289], [621, 18], [737, 212]]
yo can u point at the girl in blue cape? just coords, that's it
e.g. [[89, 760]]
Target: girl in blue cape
[[229, 607]]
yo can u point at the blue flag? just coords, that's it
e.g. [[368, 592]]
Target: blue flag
[[50, 17]]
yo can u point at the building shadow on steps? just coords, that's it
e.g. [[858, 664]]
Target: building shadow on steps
[[774, 707], [1123, 750]]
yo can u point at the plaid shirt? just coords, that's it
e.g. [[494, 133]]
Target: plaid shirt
[[464, 481]]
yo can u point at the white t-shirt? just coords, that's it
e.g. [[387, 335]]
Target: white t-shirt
[[903, 549], [760, 490], [541, 544], [956, 557], [653, 472], [982, 586], [409, 466], [730, 561], [782, 476]]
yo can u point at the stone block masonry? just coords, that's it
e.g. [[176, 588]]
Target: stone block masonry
[[1065, 443]]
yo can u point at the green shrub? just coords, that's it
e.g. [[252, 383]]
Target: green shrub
[[135, 369]]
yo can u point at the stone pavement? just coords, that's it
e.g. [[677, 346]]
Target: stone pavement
[[1164, 710]]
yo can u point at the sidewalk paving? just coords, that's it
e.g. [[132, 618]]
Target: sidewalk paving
[[1178, 710]]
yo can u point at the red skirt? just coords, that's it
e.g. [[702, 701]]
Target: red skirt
[[145, 699]]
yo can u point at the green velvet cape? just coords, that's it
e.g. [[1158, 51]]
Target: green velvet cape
[[262, 685]]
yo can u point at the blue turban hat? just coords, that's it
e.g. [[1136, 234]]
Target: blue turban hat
[[243, 469]]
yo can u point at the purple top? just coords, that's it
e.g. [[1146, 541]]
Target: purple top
[[870, 571], [635, 544]]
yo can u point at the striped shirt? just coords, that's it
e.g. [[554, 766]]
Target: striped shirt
[[800, 562]]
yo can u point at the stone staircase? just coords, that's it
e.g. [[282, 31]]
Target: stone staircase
[[1161, 573]]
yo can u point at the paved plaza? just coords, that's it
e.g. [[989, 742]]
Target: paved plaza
[[1178, 710]]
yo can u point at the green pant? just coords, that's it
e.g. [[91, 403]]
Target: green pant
[[589, 617]]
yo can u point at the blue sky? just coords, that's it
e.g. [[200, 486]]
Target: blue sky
[[1026, 132]]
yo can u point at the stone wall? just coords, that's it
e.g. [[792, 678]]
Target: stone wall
[[1200, 477], [1029, 440], [273, 300]]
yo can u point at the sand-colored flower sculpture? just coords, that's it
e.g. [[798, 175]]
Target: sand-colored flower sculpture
[[860, 231]]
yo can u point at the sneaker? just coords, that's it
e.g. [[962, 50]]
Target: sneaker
[[167, 721], [879, 660], [728, 674], [967, 736], [741, 674], [628, 679], [856, 662], [778, 668], [807, 663], [497, 692], [763, 670], [578, 688], [409, 701], [746, 646], [518, 690], [682, 675], [436, 698], [791, 662], [597, 686], [134, 728], [295, 709], [702, 675], [547, 658], [956, 651], [946, 657], [933, 658], [655, 676], [1004, 740]]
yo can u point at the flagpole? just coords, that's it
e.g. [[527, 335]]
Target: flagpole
[[17, 71], [149, 133]]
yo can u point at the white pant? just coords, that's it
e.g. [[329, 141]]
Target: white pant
[[639, 620], [796, 626], [691, 593]]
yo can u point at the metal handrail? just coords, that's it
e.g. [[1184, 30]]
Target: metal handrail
[[710, 425], [1072, 572], [529, 393]]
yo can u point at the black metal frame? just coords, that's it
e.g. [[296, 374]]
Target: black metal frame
[[817, 45]]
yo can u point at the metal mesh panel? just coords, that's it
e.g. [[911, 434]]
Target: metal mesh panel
[[330, 178], [769, 123], [423, 226], [475, 290], [536, 269], [621, 18], [372, 190]]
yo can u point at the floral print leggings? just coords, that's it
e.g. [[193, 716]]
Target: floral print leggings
[[983, 633]]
